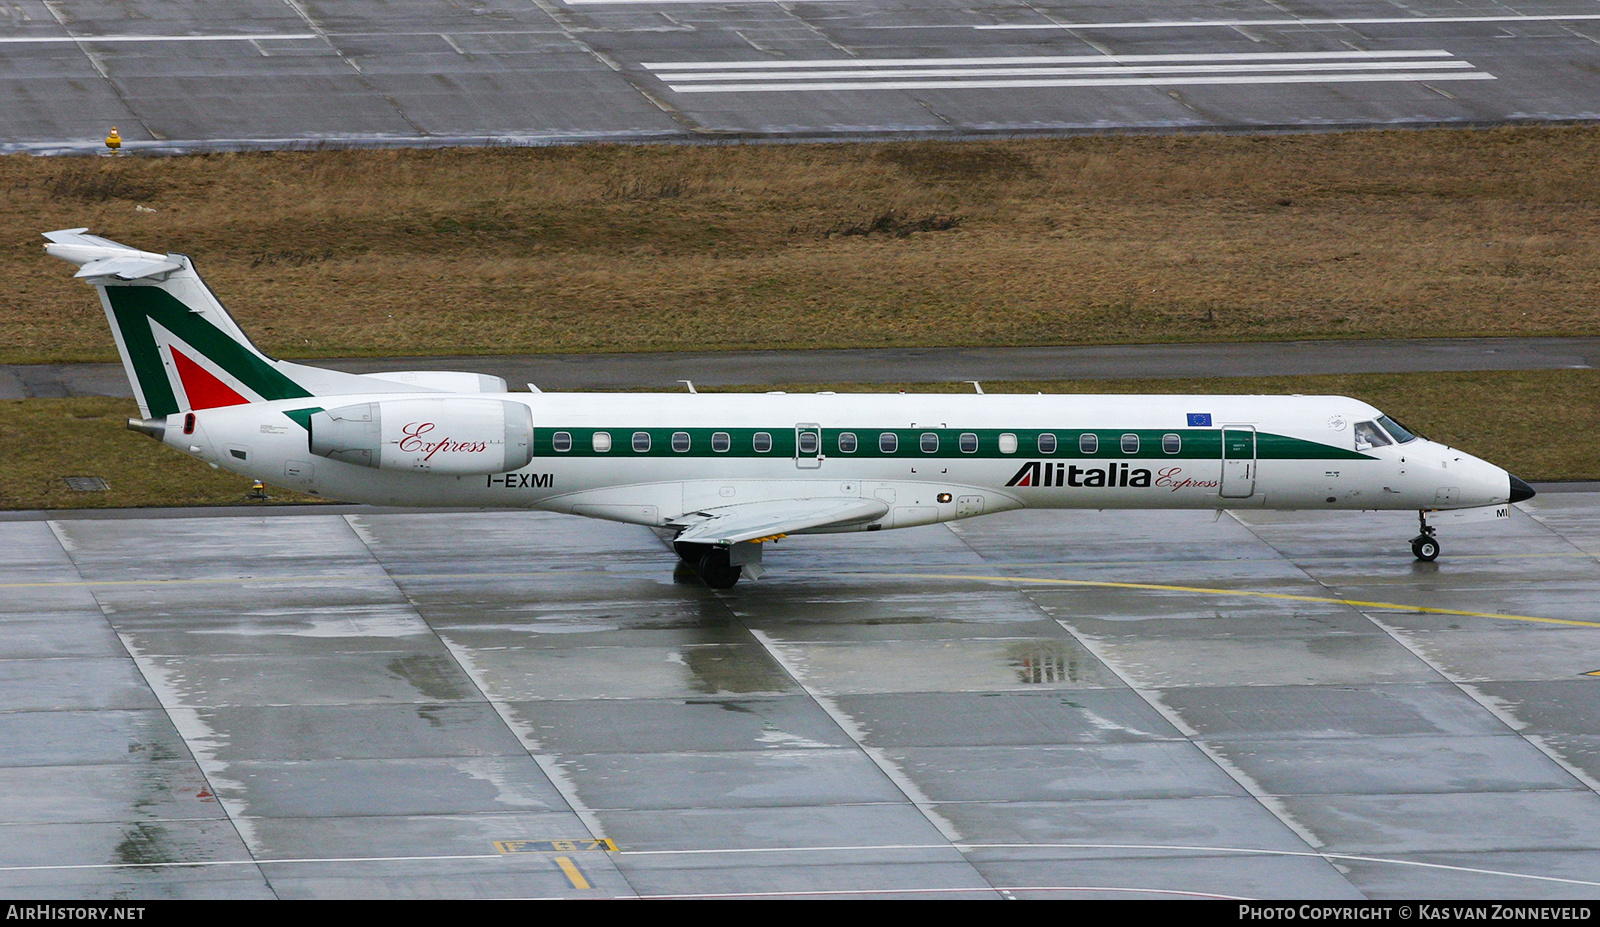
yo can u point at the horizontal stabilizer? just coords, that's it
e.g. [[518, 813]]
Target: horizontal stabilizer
[[731, 524], [82, 237], [127, 268], [102, 257]]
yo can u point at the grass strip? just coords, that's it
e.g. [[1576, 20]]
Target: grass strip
[[1109, 239]]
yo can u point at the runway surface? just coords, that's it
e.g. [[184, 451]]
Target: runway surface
[[911, 365], [338, 702], [313, 703], [232, 74]]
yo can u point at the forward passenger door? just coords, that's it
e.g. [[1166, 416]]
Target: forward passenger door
[[1238, 461]]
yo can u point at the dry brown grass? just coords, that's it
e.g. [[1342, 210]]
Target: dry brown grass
[[653, 248]]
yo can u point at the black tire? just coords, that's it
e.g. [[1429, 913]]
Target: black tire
[[1426, 549], [716, 571], [689, 552]]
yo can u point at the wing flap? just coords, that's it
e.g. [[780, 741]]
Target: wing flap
[[749, 521]]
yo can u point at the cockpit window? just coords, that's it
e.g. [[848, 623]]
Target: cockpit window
[[1369, 435], [1401, 433]]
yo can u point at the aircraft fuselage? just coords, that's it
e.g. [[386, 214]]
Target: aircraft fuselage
[[651, 458]]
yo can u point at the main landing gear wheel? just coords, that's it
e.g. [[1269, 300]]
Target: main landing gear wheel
[[716, 571], [711, 562], [1425, 545]]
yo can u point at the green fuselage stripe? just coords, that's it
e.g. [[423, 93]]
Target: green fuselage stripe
[[908, 444]]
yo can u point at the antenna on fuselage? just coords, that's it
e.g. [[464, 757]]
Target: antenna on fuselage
[[688, 383], [975, 385]]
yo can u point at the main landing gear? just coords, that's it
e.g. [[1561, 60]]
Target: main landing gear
[[712, 563], [1425, 545]]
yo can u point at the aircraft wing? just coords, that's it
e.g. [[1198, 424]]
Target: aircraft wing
[[731, 524]]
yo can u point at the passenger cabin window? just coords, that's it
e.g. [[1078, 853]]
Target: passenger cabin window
[[762, 442], [968, 443], [602, 442], [808, 443], [847, 442], [1008, 443], [1130, 444], [930, 443], [1172, 444], [720, 442], [1047, 444], [888, 442], [1369, 436], [561, 441], [641, 441], [680, 441], [1088, 443]]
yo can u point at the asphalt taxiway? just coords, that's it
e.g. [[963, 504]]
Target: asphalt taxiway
[[245, 74], [348, 702], [667, 370]]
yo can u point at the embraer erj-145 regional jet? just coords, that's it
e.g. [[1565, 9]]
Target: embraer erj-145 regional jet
[[722, 474]]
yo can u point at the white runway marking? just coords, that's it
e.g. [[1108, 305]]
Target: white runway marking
[[1042, 59], [1063, 71], [1249, 23], [702, 2], [97, 39]]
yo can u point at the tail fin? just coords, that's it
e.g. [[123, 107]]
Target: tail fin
[[180, 348]]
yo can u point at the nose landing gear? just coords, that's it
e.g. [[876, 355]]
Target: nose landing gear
[[1425, 545]]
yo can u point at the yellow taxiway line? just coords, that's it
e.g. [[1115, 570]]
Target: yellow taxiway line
[[1036, 580], [1205, 590]]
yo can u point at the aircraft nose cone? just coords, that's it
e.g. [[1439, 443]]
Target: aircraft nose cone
[[1520, 490]]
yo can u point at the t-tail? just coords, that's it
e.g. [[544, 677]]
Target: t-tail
[[181, 349], [183, 352]]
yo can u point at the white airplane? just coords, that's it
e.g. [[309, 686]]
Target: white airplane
[[721, 474]]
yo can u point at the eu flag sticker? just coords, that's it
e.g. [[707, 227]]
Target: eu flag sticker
[[1199, 419]]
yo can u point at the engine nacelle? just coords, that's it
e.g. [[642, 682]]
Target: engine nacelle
[[446, 436]]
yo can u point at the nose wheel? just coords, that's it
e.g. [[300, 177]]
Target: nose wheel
[[1425, 546]]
